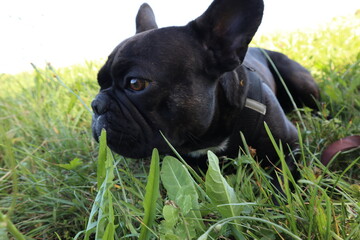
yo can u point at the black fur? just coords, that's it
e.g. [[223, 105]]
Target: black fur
[[199, 78]]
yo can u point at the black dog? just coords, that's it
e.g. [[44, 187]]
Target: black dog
[[200, 86]]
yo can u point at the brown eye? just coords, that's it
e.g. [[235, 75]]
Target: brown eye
[[136, 84]]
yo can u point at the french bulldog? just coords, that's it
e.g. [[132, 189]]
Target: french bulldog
[[200, 85]]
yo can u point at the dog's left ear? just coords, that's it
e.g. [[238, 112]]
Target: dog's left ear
[[145, 19], [227, 27]]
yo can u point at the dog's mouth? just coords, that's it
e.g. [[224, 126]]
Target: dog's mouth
[[125, 140], [128, 132], [133, 142], [98, 123]]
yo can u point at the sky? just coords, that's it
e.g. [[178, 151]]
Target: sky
[[66, 32]]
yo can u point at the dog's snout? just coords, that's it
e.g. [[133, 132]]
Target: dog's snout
[[100, 105]]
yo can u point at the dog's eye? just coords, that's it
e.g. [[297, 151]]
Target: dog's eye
[[137, 84]]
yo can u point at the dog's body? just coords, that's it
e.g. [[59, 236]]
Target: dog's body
[[200, 86]]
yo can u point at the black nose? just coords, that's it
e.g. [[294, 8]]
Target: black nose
[[100, 104]]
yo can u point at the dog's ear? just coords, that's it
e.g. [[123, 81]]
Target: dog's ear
[[227, 27], [145, 19]]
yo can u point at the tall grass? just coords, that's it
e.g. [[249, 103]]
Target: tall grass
[[50, 186]]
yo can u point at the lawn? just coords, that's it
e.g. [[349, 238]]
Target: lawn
[[57, 183]]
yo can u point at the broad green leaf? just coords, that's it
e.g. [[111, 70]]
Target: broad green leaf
[[186, 200], [175, 177], [218, 189], [170, 236], [151, 196], [181, 189], [171, 216], [72, 165], [179, 184]]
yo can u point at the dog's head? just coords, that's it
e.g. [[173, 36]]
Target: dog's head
[[167, 79]]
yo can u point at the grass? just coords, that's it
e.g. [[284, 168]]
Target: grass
[[50, 187]]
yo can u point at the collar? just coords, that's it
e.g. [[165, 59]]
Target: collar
[[256, 106], [254, 100]]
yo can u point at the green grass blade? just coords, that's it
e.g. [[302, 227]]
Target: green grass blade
[[101, 171], [9, 160], [328, 217], [104, 226], [286, 179], [62, 83], [151, 196], [10, 227], [205, 235], [285, 87]]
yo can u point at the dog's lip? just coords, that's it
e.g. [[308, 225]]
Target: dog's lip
[[119, 140], [105, 121], [98, 124], [102, 122], [97, 118]]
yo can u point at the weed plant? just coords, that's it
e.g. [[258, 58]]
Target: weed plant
[[56, 183]]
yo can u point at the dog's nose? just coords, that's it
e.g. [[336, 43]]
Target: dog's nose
[[99, 105]]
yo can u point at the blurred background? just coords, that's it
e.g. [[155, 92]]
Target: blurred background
[[71, 31]]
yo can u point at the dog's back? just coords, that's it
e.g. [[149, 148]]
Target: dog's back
[[275, 67]]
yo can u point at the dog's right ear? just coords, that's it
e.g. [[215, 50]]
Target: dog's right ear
[[145, 19], [226, 28]]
